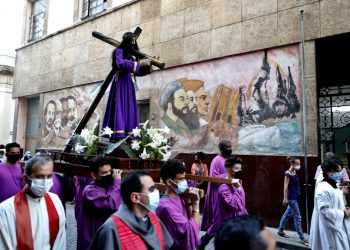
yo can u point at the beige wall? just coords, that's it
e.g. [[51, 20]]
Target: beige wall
[[6, 103], [181, 32]]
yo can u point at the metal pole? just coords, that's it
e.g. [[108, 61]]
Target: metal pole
[[304, 118]]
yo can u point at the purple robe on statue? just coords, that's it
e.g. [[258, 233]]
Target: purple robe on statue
[[183, 230], [121, 112], [217, 168], [230, 203], [98, 203], [10, 180]]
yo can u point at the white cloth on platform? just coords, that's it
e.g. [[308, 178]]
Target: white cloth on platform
[[329, 229], [39, 222]]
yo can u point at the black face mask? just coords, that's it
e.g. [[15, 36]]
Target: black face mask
[[107, 180], [226, 153], [238, 175], [13, 158]]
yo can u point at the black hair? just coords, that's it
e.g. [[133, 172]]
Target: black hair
[[97, 162], [292, 159], [171, 168], [42, 158], [2, 146], [329, 165], [200, 155], [223, 144], [241, 232], [232, 161], [12, 145], [131, 183]]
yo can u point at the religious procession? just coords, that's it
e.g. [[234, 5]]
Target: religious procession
[[196, 125]]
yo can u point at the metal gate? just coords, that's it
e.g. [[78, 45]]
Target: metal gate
[[334, 113]]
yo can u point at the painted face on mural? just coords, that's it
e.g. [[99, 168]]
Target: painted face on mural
[[58, 120], [180, 101], [72, 110], [203, 101], [50, 114], [192, 102]]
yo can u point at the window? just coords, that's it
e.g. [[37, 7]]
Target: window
[[143, 109], [92, 7], [37, 19], [33, 122]]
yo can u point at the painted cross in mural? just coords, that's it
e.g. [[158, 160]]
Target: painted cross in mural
[[252, 100]]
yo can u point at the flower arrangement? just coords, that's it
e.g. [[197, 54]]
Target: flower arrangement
[[88, 141], [147, 142]]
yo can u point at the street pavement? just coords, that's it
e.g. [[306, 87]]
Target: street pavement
[[71, 227]]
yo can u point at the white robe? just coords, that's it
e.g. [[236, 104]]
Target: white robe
[[39, 221], [329, 229]]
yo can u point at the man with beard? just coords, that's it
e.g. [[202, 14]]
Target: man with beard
[[49, 116], [72, 112], [192, 117], [100, 200], [173, 100], [217, 168], [11, 172]]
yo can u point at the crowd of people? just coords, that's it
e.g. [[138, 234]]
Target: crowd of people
[[131, 213]]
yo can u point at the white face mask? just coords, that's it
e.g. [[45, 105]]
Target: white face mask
[[153, 200], [40, 187]]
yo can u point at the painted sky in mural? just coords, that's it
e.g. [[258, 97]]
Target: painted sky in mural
[[62, 111], [253, 100]]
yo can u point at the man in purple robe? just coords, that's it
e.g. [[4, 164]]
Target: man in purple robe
[[231, 197], [100, 200], [179, 207], [80, 184], [217, 168], [11, 172], [121, 112]]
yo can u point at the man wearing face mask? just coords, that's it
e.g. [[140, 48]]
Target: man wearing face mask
[[179, 207], [134, 226], [216, 168], [330, 222], [11, 172], [100, 199], [34, 218], [231, 198]]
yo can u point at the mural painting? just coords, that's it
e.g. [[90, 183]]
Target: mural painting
[[62, 111], [253, 100]]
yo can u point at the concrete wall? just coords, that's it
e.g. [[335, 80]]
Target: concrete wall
[[181, 32]]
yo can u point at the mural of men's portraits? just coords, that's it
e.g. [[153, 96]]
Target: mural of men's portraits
[[252, 99], [62, 112]]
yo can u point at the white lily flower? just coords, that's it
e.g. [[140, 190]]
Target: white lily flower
[[135, 145], [86, 134], [136, 131], [144, 154], [107, 131], [152, 144], [165, 155], [79, 148], [151, 132], [165, 148], [145, 125]]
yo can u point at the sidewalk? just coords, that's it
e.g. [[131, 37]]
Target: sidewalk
[[293, 242]]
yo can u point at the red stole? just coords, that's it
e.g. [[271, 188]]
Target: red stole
[[132, 241], [24, 226]]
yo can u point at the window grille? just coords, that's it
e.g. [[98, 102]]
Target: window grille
[[37, 20], [92, 7]]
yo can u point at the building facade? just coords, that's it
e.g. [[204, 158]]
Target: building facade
[[7, 106], [237, 63]]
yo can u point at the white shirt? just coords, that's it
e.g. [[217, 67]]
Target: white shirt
[[39, 222]]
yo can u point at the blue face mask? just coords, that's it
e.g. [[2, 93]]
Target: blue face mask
[[337, 176], [181, 187], [297, 167]]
